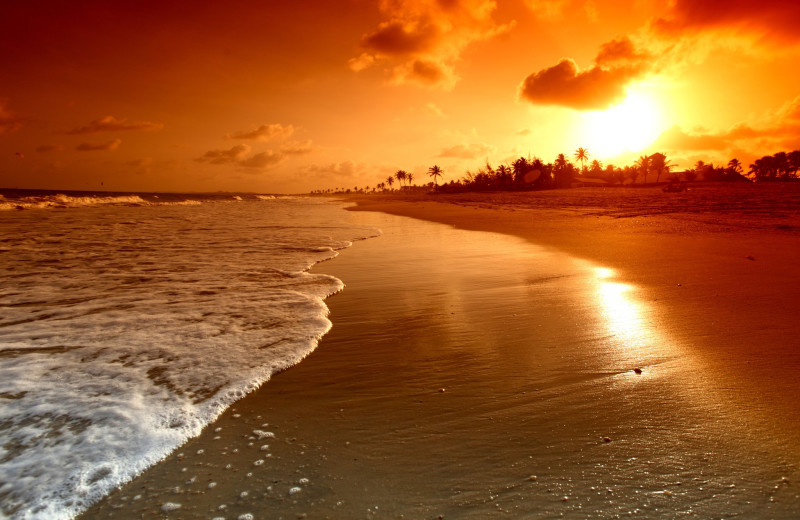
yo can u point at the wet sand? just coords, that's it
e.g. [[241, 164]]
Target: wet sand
[[472, 374]]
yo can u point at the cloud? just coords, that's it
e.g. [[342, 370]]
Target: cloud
[[617, 64], [563, 84], [9, 122], [47, 148], [262, 160], [547, 9], [99, 147], [338, 171], [264, 133], [238, 155], [421, 40], [677, 139], [297, 148], [112, 124], [775, 20], [231, 155], [138, 163], [780, 129], [467, 151], [620, 52]]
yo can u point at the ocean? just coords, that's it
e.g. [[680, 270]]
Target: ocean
[[130, 322]]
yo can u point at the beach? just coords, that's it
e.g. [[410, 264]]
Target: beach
[[577, 353]]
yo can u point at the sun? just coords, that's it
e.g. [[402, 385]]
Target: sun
[[631, 126]]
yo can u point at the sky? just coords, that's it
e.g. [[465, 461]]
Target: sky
[[287, 97]]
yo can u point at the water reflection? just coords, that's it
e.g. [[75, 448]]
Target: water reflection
[[621, 312]]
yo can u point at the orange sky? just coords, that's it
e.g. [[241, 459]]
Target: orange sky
[[292, 96]]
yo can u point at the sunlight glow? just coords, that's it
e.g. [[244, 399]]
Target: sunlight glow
[[631, 126]]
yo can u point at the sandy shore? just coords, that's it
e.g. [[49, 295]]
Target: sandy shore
[[473, 374]]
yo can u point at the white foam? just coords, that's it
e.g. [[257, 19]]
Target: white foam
[[123, 333]]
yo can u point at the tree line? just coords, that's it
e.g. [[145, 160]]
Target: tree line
[[532, 174]]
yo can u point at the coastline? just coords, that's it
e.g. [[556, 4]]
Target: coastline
[[363, 423]]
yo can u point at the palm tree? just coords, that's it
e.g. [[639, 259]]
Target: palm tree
[[596, 167], [794, 161], [659, 164], [410, 178], [390, 181], [401, 176], [562, 171], [582, 155], [435, 172], [643, 164]]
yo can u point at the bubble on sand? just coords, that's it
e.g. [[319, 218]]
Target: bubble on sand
[[246, 516], [243, 494], [303, 481], [228, 466], [264, 447], [170, 506], [264, 435], [212, 485], [294, 490], [237, 415], [258, 462], [217, 430], [222, 507], [218, 518]]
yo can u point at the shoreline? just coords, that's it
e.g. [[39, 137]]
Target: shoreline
[[363, 423]]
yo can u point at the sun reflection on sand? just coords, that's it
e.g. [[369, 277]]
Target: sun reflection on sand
[[622, 313]]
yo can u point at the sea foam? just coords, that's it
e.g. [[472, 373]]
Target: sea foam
[[125, 330]]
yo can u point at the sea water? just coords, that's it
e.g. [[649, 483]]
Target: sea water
[[130, 322]]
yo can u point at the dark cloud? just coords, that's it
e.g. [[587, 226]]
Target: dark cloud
[[773, 19], [619, 52], [264, 133], [618, 63], [99, 147], [231, 155], [112, 124], [427, 72], [563, 84], [423, 39], [400, 39], [262, 160], [238, 155]]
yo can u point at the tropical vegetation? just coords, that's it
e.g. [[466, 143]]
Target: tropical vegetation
[[534, 174]]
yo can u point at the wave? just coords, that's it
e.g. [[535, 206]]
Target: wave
[[124, 333]]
